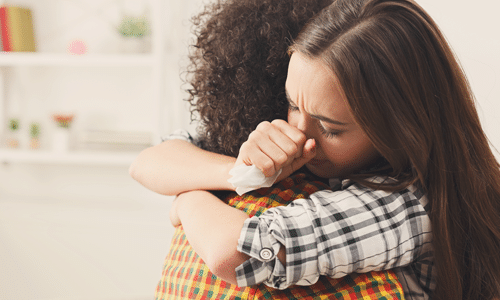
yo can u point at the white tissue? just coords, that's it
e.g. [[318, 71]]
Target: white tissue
[[248, 178]]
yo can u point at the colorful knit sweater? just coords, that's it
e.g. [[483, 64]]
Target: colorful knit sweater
[[185, 276]]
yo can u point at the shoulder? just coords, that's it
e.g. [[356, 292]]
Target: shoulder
[[411, 192], [350, 193], [182, 134]]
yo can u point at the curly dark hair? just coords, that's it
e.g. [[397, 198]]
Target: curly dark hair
[[238, 66]]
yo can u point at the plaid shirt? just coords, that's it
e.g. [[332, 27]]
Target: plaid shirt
[[352, 229]]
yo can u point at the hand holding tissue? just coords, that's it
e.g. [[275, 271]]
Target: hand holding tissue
[[279, 142], [248, 178]]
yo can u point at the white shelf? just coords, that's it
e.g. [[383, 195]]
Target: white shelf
[[13, 98], [10, 59], [105, 158]]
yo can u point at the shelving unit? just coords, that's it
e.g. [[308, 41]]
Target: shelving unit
[[73, 157], [16, 59], [79, 211], [154, 60]]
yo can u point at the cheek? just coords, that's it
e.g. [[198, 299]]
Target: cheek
[[352, 152]]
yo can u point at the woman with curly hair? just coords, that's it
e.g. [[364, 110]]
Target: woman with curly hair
[[236, 80], [238, 67]]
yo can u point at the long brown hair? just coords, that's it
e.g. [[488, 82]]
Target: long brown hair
[[409, 94]]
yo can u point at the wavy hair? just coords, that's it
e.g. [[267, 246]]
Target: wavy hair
[[238, 66], [407, 91]]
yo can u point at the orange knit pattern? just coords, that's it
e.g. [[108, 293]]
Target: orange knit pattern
[[185, 276]]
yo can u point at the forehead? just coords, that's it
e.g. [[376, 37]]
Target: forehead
[[313, 86]]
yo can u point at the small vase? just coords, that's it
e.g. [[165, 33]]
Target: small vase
[[12, 140], [34, 143], [133, 45], [61, 140]]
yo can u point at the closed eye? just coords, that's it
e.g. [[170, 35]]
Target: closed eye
[[329, 133], [292, 107]]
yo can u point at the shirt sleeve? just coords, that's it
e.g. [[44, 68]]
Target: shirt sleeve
[[182, 134], [334, 233]]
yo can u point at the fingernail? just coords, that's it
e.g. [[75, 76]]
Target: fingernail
[[313, 148]]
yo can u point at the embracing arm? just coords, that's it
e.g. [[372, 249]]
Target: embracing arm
[[212, 228], [334, 233], [177, 166]]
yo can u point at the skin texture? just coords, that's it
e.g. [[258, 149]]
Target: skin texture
[[318, 108], [167, 168]]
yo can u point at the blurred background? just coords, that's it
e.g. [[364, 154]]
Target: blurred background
[[85, 85]]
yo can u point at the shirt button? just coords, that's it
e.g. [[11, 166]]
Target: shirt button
[[266, 254]]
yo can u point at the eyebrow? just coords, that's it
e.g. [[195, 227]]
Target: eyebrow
[[321, 118]]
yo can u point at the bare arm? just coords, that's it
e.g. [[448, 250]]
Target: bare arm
[[212, 229], [177, 166]]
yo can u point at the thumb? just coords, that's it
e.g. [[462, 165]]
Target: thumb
[[308, 153]]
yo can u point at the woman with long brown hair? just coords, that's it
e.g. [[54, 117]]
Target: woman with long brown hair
[[406, 90]]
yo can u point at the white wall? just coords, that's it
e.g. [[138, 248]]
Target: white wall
[[75, 232], [473, 30]]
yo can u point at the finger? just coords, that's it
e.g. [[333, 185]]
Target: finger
[[309, 149], [271, 141], [251, 153], [264, 163], [277, 134], [287, 145], [297, 137], [308, 153], [287, 137], [277, 156]]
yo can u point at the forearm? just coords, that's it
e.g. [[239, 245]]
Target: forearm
[[212, 229], [177, 166]]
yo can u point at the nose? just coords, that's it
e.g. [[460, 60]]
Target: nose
[[303, 123]]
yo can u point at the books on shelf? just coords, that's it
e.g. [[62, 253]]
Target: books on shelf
[[16, 29]]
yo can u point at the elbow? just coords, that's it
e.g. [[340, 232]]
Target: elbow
[[132, 170], [144, 170], [135, 168], [223, 262], [224, 258]]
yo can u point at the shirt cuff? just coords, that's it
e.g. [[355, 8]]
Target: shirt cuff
[[263, 266]]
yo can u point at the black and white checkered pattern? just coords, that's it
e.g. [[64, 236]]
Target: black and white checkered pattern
[[180, 134], [353, 229]]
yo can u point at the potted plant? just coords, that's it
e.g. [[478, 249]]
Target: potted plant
[[61, 136], [12, 138], [34, 134], [134, 30]]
